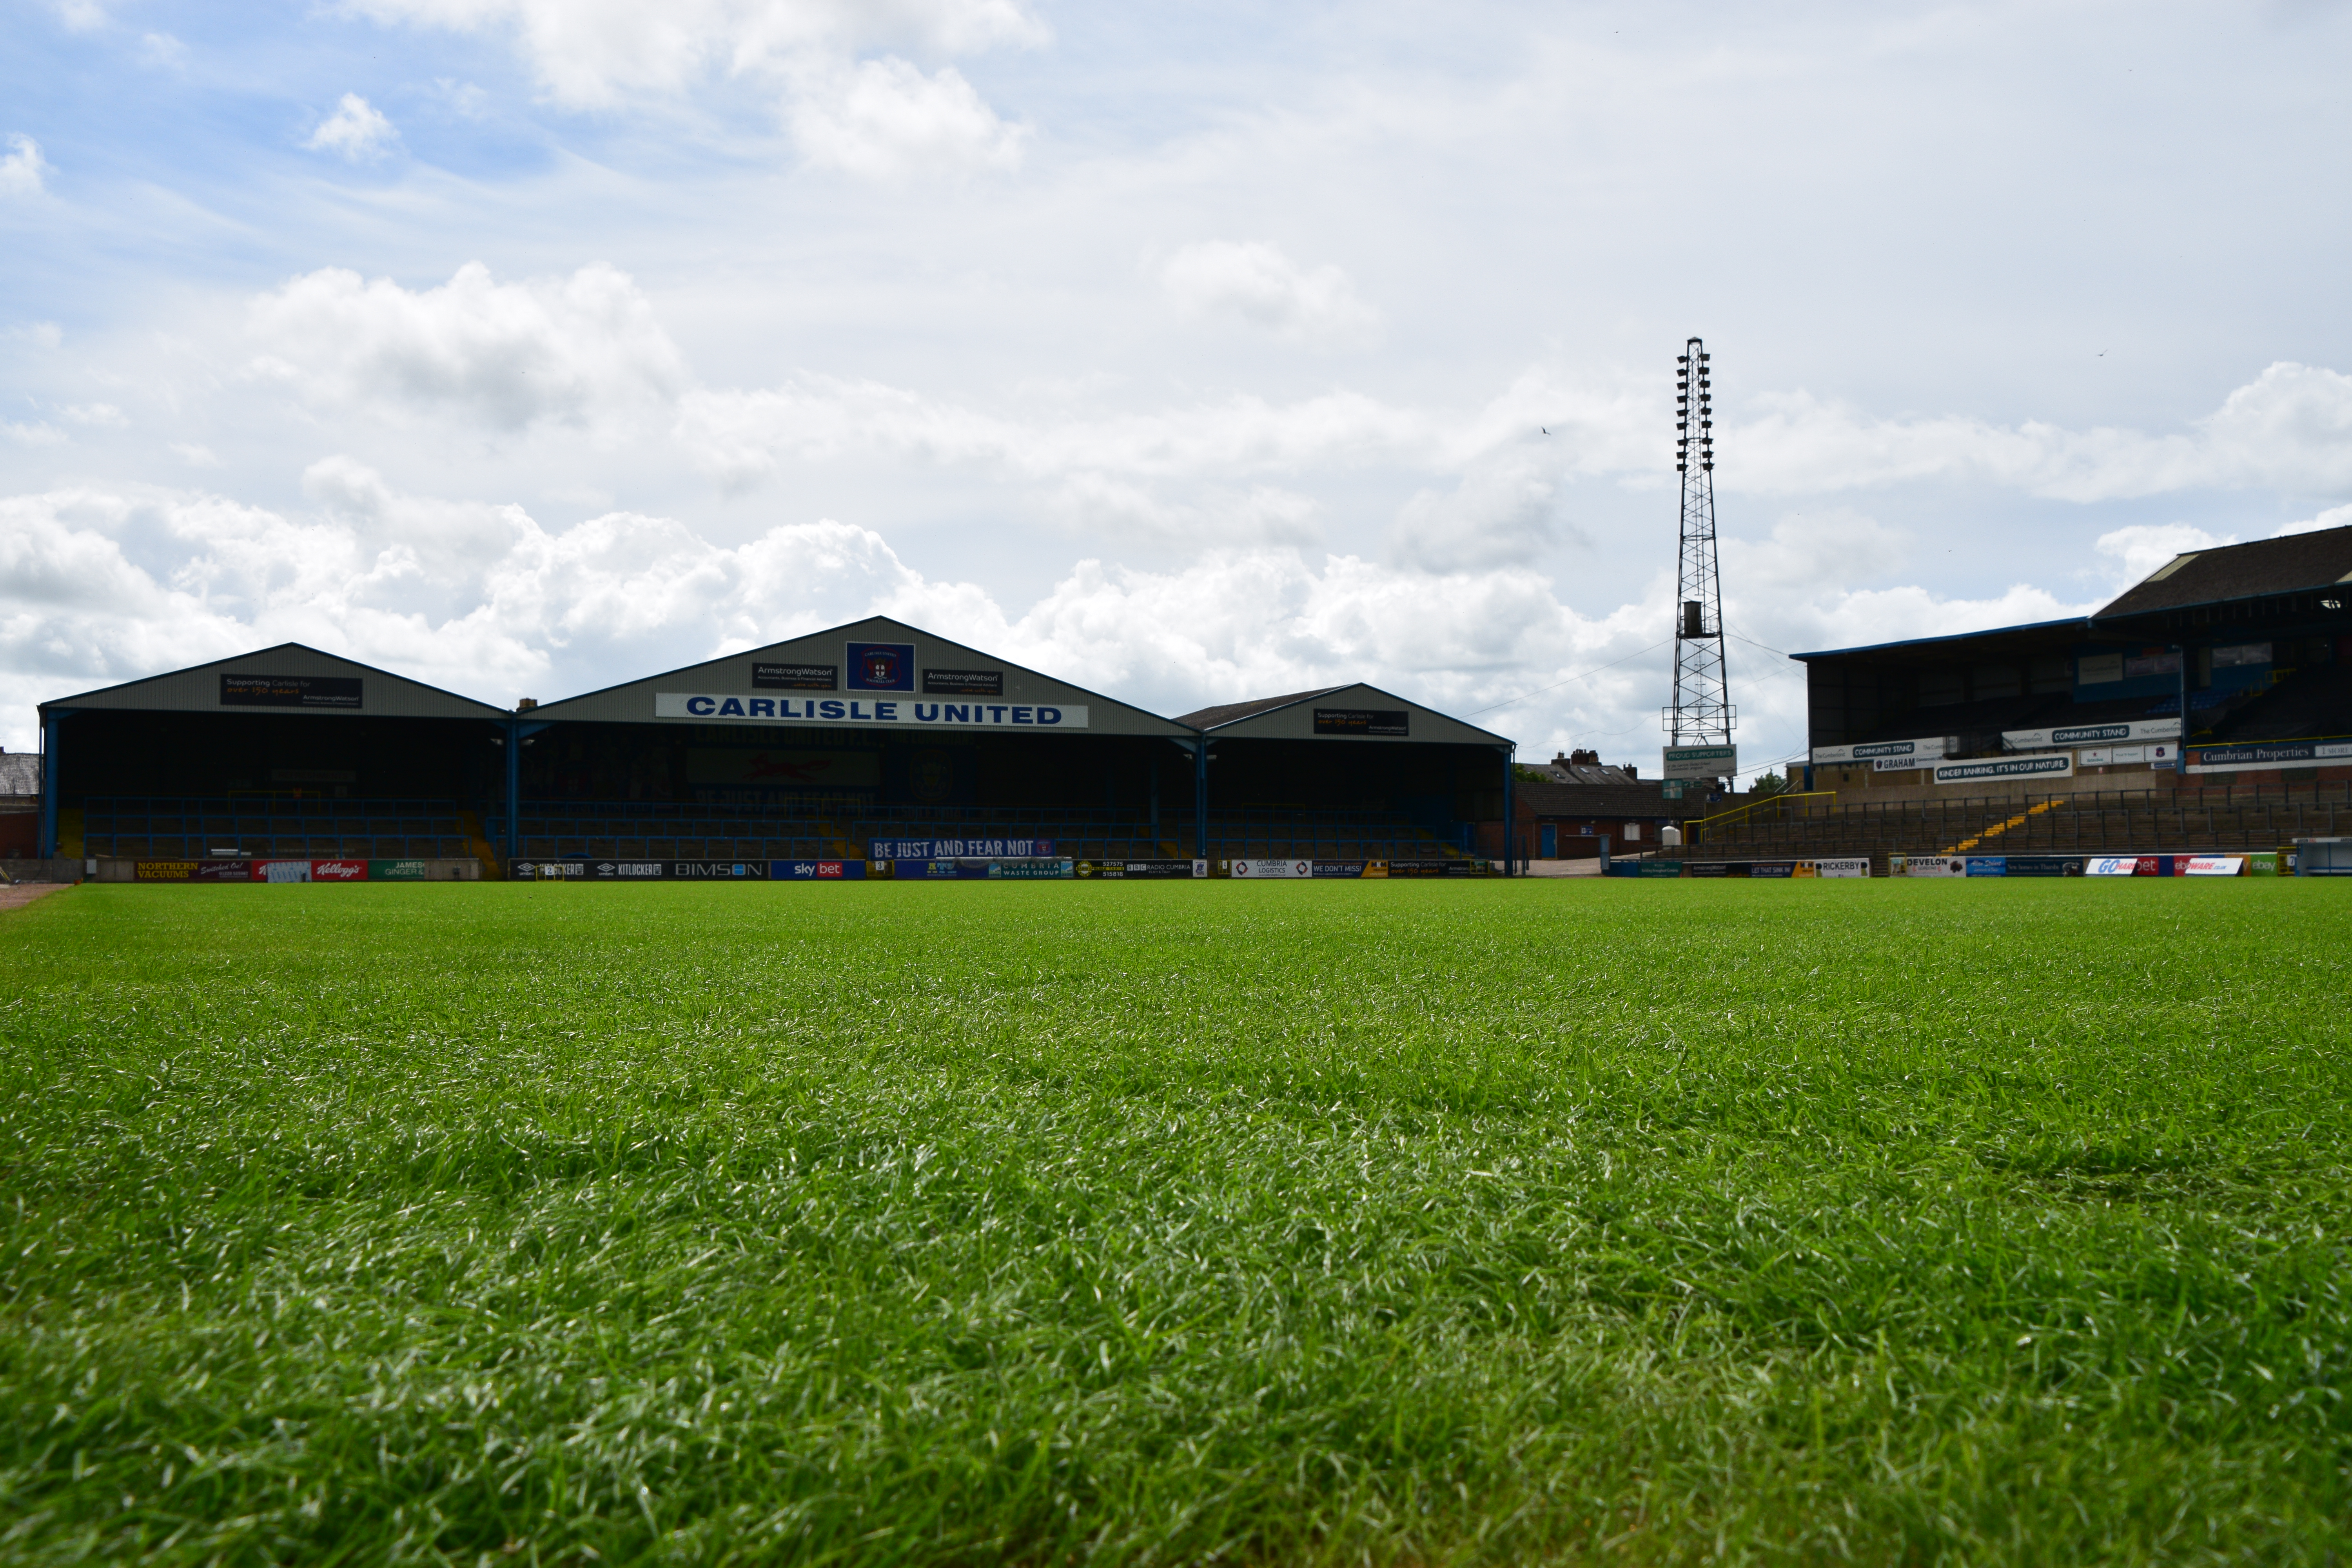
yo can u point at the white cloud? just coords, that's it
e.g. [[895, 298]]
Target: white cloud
[[575, 349], [38, 433], [23, 169], [81, 16], [596, 55], [40, 334], [103, 414], [195, 455], [356, 129], [2290, 428], [1255, 283], [1101, 508], [1504, 511], [885, 120], [162, 50], [482, 597], [742, 435]]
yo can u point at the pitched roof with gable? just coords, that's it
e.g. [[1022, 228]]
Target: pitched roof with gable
[[1210, 718], [2296, 563], [1294, 718], [201, 688], [732, 677]]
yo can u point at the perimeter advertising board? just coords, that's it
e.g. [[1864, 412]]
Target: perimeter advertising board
[[970, 870], [617, 870], [226, 870], [1847, 866]]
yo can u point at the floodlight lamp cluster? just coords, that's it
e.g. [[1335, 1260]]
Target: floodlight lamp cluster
[[1690, 366]]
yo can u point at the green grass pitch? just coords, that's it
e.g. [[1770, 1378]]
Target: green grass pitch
[[1165, 1222]]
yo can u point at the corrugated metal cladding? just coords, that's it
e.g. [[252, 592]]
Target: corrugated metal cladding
[[1354, 712], [874, 659], [867, 661], [289, 680]]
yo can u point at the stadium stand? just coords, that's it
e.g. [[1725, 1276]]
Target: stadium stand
[[2105, 822], [870, 741], [1347, 772], [2208, 665]]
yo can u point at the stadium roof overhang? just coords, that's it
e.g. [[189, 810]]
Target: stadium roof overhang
[[2001, 640], [2301, 578], [289, 681], [876, 674], [2299, 565], [1357, 713]]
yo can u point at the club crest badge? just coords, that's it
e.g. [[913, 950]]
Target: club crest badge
[[881, 666]]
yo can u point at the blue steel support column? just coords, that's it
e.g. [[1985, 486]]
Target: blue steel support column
[[514, 791], [50, 724], [1201, 799], [2180, 746], [1511, 820]]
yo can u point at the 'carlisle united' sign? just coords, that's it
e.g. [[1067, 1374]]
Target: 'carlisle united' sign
[[718, 707]]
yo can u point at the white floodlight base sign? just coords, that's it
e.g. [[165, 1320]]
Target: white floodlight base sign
[[1701, 762]]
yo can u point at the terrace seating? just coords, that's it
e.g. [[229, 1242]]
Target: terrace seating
[[841, 827], [144, 827], [2315, 702], [2228, 817]]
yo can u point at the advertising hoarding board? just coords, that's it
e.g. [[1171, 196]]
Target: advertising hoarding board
[[1884, 755], [2122, 732], [1991, 769], [2269, 754], [331, 691], [1700, 761]]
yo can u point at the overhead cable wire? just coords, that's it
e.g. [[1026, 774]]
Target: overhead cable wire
[[1556, 685]]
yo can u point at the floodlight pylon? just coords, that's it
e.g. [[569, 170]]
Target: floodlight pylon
[[1702, 713]]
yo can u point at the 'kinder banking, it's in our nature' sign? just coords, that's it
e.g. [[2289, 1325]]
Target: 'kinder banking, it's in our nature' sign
[[1993, 768], [720, 708]]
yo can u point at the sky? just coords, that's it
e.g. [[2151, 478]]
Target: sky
[[1187, 352]]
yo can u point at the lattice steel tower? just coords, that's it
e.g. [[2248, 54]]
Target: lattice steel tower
[[1702, 714]]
